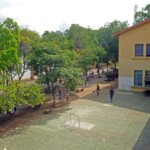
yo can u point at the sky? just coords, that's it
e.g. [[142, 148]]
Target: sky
[[58, 15]]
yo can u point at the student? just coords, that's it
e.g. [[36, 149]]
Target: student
[[97, 89], [111, 92], [67, 95], [92, 75]]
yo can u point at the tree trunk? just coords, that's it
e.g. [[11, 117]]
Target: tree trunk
[[32, 74], [19, 78], [107, 66], [7, 81], [53, 94], [115, 65]]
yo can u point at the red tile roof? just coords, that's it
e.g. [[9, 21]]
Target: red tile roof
[[132, 27]]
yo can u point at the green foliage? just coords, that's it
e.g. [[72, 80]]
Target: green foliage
[[72, 77], [90, 57], [8, 52], [8, 58], [142, 15], [57, 39], [81, 38], [19, 93], [108, 41], [28, 41], [32, 95], [52, 64], [86, 61], [7, 40], [13, 27], [46, 62], [74, 34]]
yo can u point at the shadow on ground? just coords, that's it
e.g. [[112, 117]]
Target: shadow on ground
[[20, 121], [143, 142], [130, 100]]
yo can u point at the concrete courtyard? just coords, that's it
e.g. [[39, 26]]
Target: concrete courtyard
[[121, 125]]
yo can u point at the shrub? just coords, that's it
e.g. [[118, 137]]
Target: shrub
[[19, 93]]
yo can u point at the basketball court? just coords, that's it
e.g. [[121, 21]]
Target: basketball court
[[89, 123]]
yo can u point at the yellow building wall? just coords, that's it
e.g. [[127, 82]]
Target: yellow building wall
[[127, 60]]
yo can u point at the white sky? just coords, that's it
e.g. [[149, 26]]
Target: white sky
[[52, 15]]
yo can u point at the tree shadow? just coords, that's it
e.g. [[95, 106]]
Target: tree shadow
[[22, 120], [143, 142], [130, 100]]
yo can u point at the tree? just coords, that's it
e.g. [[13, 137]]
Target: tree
[[81, 38], [28, 40], [57, 39], [141, 15], [74, 34], [90, 57], [52, 64], [32, 95], [19, 93], [13, 27], [8, 49], [109, 42], [71, 76]]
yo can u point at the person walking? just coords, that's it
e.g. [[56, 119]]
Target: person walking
[[67, 95], [111, 92], [97, 89]]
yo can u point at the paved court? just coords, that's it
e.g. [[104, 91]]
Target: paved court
[[121, 125]]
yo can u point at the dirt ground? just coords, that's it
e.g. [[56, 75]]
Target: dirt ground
[[27, 115]]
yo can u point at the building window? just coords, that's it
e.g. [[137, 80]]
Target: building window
[[139, 49], [137, 77], [147, 78], [148, 50]]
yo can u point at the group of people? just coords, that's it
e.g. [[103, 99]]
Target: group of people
[[87, 78], [102, 73], [111, 92]]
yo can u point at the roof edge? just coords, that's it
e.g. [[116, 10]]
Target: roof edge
[[132, 27]]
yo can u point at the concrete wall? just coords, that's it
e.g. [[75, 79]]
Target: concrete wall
[[125, 83]]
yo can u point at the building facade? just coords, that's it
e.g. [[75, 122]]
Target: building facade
[[134, 57]]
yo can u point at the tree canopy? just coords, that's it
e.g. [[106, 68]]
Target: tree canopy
[[53, 55], [141, 15], [52, 64], [9, 39], [17, 94], [108, 41]]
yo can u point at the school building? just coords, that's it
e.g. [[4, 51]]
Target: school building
[[134, 57]]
